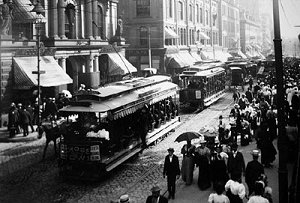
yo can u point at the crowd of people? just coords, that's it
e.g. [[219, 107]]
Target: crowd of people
[[25, 115]]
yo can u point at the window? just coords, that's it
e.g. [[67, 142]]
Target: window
[[206, 17], [170, 8], [197, 10], [143, 8], [143, 36], [180, 10], [201, 15], [191, 12]]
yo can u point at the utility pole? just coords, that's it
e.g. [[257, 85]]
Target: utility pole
[[211, 30], [149, 47], [1, 109], [282, 139]]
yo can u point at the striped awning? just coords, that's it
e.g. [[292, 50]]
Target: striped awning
[[170, 34], [53, 74], [22, 12], [119, 65]]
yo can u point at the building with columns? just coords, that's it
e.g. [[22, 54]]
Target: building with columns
[[174, 32], [75, 48]]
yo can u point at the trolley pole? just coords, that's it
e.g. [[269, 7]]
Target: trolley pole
[[282, 139]]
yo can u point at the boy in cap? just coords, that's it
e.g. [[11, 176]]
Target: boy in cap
[[172, 171], [156, 197], [254, 170]]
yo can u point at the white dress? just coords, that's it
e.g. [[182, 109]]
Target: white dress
[[215, 198], [257, 199]]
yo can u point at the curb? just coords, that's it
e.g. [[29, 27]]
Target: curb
[[4, 137]]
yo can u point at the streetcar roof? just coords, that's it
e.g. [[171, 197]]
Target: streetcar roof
[[203, 73], [126, 103], [235, 68]]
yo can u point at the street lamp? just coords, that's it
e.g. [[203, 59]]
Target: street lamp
[[38, 9]]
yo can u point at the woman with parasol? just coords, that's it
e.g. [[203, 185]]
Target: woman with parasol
[[187, 151]]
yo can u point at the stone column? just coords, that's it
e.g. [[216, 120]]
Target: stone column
[[89, 64], [96, 63], [95, 19], [88, 20], [61, 19]]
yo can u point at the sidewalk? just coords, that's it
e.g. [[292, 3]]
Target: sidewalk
[[192, 194], [4, 136]]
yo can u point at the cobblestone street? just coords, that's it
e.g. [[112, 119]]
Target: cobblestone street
[[25, 178]]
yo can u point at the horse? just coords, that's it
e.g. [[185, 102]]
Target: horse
[[52, 131]]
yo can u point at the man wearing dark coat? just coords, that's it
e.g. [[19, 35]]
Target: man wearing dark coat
[[236, 163], [172, 171], [13, 120], [25, 120], [156, 197], [254, 170]]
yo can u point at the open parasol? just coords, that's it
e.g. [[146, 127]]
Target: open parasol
[[188, 136]]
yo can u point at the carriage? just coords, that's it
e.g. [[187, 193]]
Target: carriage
[[202, 85], [111, 124]]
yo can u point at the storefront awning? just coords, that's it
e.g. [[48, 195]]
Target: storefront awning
[[187, 57], [207, 55], [222, 56], [170, 34], [118, 65], [22, 12], [175, 61], [196, 56], [204, 36], [242, 54], [53, 74]]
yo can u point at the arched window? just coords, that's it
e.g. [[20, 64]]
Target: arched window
[[70, 21], [201, 15], [206, 17], [143, 36]]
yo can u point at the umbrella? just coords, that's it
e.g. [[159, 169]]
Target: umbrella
[[187, 136]]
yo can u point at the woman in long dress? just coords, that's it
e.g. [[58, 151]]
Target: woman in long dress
[[188, 162], [203, 157]]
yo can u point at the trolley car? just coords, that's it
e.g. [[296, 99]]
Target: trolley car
[[202, 85], [108, 125]]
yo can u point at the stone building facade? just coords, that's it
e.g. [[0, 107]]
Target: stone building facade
[[76, 36], [176, 30]]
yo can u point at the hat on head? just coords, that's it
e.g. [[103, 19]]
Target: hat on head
[[220, 117], [171, 149], [234, 145], [155, 189], [202, 141], [124, 199], [255, 152]]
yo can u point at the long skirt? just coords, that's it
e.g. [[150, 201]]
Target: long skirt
[[204, 173], [187, 169]]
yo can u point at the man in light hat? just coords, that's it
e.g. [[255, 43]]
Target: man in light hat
[[156, 197], [172, 171], [254, 170], [124, 199]]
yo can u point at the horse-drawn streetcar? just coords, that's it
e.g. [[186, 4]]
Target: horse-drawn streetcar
[[108, 125]]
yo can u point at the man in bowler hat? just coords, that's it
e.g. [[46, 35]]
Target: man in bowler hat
[[156, 197], [172, 171], [236, 163]]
